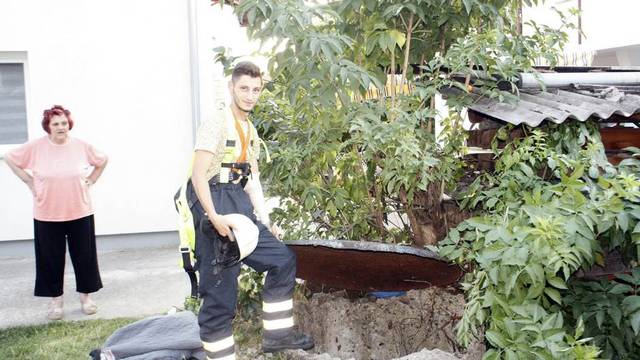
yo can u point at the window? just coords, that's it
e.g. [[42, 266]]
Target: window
[[13, 104]]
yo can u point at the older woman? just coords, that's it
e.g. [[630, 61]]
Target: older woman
[[59, 180]]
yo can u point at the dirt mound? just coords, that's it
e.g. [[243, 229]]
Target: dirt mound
[[385, 329], [422, 355]]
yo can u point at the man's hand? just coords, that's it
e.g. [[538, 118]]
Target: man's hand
[[275, 230], [221, 224]]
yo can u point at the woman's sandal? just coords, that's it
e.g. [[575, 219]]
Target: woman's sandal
[[55, 312], [89, 307]]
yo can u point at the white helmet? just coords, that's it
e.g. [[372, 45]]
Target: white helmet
[[244, 234]]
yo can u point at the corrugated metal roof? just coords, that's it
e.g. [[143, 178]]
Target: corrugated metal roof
[[557, 106]]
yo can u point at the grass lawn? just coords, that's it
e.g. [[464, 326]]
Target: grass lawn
[[68, 340], [71, 340]]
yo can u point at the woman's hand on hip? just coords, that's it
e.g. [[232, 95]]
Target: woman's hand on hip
[[32, 187]]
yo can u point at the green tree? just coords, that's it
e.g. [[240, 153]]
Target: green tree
[[354, 85], [350, 109]]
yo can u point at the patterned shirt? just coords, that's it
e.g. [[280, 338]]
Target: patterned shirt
[[213, 134]]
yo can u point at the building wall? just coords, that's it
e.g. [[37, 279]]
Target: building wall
[[605, 25], [218, 26], [122, 68]]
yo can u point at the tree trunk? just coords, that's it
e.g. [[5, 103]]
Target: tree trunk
[[431, 218]]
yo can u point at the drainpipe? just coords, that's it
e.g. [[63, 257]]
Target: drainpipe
[[558, 80], [194, 68]]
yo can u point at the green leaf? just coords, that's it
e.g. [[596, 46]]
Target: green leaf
[[600, 318], [468, 4], [623, 221], [627, 278], [616, 315], [398, 37], [510, 355], [511, 282], [515, 256], [479, 224], [557, 282], [621, 289], [631, 304], [580, 328], [579, 171], [454, 235], [495, 338], [635, 322], [526, 170], [554, 295], [491, 203], [491, 354], [536, 273]]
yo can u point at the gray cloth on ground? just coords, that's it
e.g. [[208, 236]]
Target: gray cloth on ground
[[166, 337]]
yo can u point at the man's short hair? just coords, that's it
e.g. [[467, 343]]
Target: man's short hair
[[246, 68]]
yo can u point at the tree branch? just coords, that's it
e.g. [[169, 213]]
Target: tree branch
[[407, 48]]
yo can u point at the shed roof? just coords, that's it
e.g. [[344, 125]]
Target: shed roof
[[559, 105]]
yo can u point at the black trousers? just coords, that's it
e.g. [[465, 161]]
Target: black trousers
[[219, 292], [50, 241]]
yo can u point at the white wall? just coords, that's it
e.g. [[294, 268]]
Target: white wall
[[605, 24], [122, 68], [218, 26]]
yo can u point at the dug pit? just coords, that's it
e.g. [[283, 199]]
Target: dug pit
[[347, 322], [377, 329]]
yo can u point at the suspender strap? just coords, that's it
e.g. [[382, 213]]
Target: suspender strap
[[188, 268], [186, 233], [185, 200], [244, 139]]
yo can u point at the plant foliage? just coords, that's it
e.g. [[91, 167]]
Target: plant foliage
[[610, 310], [351, 114], [353, 88], [553, 205]]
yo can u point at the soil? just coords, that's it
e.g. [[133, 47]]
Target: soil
[[408, 327]]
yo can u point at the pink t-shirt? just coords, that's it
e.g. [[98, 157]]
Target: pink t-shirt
[[58, 176]]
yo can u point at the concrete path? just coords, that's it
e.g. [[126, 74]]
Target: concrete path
[[137, 283]]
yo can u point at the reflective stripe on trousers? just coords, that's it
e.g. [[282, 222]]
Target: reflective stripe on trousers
[[219, 292], [222, 349]]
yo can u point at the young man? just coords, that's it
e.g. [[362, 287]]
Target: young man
[[225, 178]]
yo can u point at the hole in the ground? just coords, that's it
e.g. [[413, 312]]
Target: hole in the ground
[[357, 321], [348, 327]]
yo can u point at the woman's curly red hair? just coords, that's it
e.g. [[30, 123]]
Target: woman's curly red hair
[[55, 110]]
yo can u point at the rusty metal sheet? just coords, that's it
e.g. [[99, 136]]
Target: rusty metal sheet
[[370, 266]]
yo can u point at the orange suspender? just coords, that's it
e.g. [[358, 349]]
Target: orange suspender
[[244, 140]]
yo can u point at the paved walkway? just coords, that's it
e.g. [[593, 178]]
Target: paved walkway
[[137, 283]]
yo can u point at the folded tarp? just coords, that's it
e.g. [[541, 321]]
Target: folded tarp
[[168, 337]]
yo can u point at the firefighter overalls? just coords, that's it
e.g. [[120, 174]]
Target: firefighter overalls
[[218, 285]]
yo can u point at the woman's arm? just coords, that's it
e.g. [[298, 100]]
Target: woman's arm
[[21, 173], [97, 172]]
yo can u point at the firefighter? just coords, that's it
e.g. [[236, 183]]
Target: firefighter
[[226, 180]]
